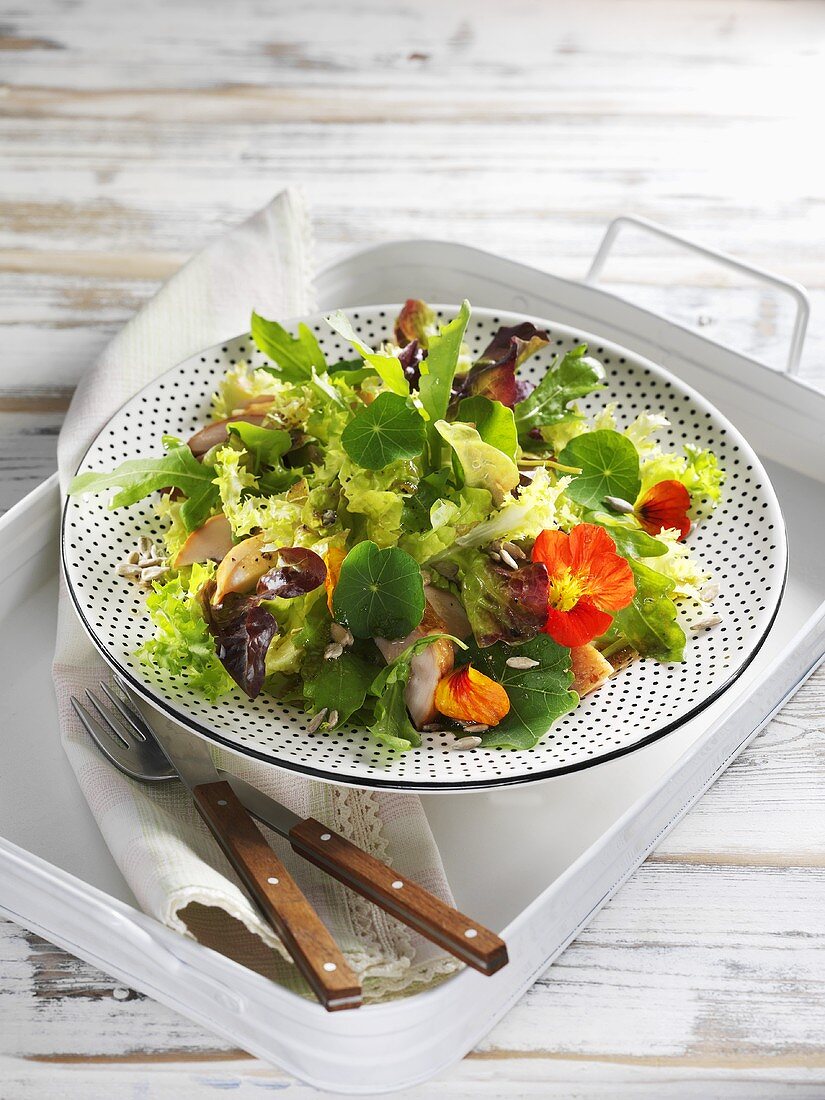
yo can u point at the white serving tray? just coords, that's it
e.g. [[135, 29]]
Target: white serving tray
[[559, 849]]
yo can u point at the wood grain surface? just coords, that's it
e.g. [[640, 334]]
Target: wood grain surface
[[279, 897], [467, 939], [133, 133]]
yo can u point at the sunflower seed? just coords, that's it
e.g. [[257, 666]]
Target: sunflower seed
[[706, 623], [465, 743], [476, 727], [495, 555], [508, 559], [316, 722], [126, 569], [430, 727], [332, 720], [341, 635], [145, 545], [521, 662], [145, 563], [618, 504], [514, 551], [328, 517], [447, 569], [710, 591], [333, 651], [133, 558], [153, 573]]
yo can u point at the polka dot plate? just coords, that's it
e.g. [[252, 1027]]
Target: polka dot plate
[[743, 544]]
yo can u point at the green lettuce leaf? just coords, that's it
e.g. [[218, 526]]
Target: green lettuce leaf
[[296, 357], [375, 499], [182, 648], [631, 541], [267, 446], [138, 477], [448, 518], [383, 432], [387, 366], [341, 684], [697, 470], [609, 465], [379, 592], [483, 466], [538, 695], [573, 376], [438, 369], [493, 421], [536, 507], [649, 623]]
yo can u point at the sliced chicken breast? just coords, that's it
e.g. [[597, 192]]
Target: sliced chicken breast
[[429, 666]]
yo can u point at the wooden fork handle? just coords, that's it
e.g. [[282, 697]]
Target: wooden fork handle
[[467, 939], [276, 893]]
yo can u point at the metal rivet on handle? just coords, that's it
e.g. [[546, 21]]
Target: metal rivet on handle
[[397, 884], [330, 967], [325, 836], [273, 881], [221, 801], [471, 933]]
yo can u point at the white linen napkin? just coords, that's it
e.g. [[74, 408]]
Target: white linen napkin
[[166, 854]]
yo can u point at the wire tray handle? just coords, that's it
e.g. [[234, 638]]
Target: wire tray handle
[[784, 286]]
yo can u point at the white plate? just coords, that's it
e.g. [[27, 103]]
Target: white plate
[[743, 543]]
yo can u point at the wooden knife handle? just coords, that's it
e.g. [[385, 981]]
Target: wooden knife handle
[[406, 900], [276, 893]]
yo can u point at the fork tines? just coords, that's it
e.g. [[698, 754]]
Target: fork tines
[[122, 734]]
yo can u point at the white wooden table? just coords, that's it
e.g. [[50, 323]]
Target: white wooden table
[[131, 133]]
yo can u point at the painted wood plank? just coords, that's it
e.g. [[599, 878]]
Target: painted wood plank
[[129, 140]]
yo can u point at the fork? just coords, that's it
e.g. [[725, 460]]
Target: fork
[[137, 753]]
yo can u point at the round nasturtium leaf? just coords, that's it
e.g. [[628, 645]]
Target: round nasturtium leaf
[[609, 465], [380, 593], [381, 433]]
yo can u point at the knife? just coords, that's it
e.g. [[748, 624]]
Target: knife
[[265, 877], [404, 899]]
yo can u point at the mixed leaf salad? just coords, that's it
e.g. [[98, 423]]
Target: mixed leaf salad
[[410, 540]]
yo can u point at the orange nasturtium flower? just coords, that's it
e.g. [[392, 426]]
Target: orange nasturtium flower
[[469, 696], [588, 581], [333, 560], [663, 506]]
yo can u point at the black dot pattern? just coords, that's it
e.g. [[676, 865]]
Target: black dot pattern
[[743, 544]]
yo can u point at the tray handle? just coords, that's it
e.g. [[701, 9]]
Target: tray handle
[[784, 286]]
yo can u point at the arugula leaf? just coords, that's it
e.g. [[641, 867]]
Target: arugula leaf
[[379, 592], [609, 465], [138, 477], [387, 366], [295, 356], [493, 421], [538, 695], [630, 541], [382, 432], [392, 724], [341, 684], [438, 369], [566, 379], [483, 466], [649, 623]]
